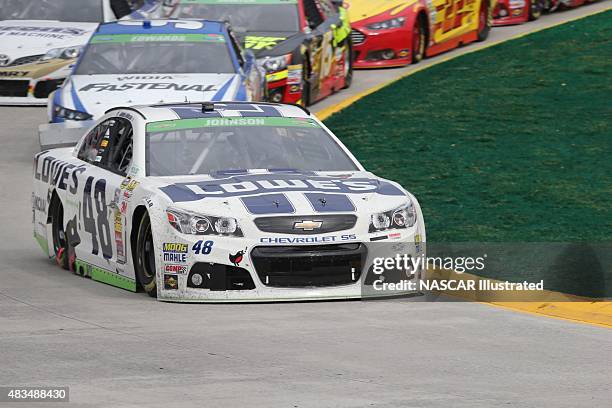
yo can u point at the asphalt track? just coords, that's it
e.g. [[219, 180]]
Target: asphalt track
[[114, 348]]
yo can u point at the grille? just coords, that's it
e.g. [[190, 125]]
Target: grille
[[309, 265], [357, 37], [26, 60], [14, 87], [44, 88], [285, 225]]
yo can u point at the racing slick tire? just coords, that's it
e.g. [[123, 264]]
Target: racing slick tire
[[348, 74], [484, 22], [145, 257], [419, 40], [536, 8], [60, 243], [305, 83]]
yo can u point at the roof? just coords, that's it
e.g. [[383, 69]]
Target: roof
[[155, 113], [160, 27]]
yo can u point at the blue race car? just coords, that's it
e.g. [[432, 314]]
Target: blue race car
[[157, 61]]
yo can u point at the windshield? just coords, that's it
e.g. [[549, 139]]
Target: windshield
[[62, 10], [156, 53], [260, 15], [211, 145]]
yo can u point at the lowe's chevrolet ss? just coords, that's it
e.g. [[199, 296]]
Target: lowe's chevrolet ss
[[40, 39], [159, 61], [303, 45], [219, 202]]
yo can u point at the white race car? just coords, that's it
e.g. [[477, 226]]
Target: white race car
[[40, 39], [156, 61], [220, 202]]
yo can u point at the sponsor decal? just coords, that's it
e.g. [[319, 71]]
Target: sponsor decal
[[395, 235], [294, 74], [57, 172], [175, 252], [238, 257], [257, 184], [170, 281], [196, 123], [260, 42], [308, 240], [14, 73], [41, 32], [168, 86], [119, 243], [172, 268], [125, 38], [39, 204], [417, 242]]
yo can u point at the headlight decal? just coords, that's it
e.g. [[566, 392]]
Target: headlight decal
[[199, 224], [387, 24], [399, 218]]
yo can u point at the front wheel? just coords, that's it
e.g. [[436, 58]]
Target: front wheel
[[305, 84], [536, 7], [419, 40], [484, 24], [145, 257]]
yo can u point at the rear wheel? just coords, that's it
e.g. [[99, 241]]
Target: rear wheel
[[419, 40], [484, 25], [145, 257], [60, 243], [536, 7]]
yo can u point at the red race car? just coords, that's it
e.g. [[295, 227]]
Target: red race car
[[509, 12], [389, 33]]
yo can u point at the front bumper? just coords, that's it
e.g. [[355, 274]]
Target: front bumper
[[31, 84], [272, 269], [375, 49]]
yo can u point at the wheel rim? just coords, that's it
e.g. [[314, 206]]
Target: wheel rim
[[418, 42]]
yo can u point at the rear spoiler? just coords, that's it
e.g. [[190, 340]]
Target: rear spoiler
[[67, 134]]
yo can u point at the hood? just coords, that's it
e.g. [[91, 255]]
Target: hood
[[95, 94], [271, 43], [249, 195], [22, 38], [362, 9]]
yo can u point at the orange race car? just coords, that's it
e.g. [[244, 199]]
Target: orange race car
[[388, 33]]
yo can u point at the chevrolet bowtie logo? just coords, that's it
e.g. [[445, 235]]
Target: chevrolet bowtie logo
[[307, 225]]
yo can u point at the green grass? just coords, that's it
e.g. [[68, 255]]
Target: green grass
[[512, 143]]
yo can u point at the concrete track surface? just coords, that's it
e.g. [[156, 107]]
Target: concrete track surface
[[114, 348]]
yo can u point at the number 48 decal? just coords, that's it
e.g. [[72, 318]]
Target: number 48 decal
[[205, 247], [97, 226]]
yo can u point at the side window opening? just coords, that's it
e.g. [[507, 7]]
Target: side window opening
[[109, 145], [313, 14]]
